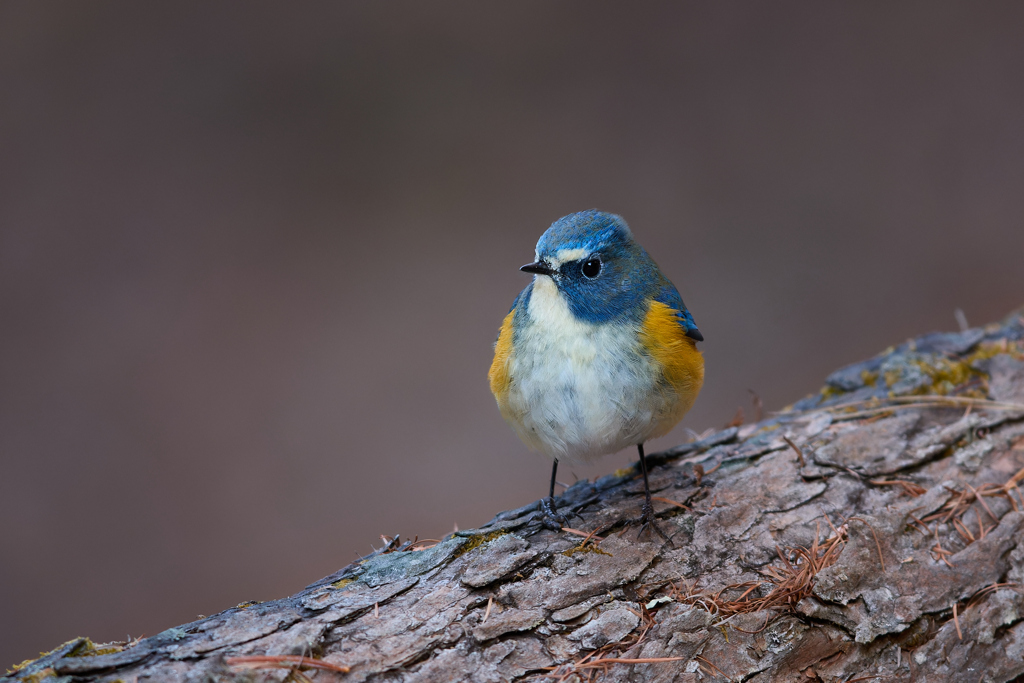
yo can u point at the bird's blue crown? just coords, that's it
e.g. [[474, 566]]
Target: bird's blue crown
[[590, 230]]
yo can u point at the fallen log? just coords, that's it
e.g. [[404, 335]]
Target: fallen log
[[870, 531]]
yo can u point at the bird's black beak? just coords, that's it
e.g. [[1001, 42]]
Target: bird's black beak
[[694, 333], [538, 267]]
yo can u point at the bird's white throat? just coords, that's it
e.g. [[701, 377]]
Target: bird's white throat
[[550, 311]]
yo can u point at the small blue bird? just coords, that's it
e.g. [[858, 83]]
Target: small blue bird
[[598, 352]]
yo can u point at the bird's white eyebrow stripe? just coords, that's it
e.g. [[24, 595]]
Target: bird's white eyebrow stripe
[[566, 255]]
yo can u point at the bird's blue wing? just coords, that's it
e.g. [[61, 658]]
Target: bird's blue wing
[[670, 297]]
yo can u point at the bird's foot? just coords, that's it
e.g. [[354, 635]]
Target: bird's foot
[[550, 517], [648, 521]]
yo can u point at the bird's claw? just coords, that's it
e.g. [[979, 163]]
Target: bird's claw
[[648, 521], [550, 517]]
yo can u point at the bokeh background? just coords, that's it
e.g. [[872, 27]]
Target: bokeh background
[[253, 256]]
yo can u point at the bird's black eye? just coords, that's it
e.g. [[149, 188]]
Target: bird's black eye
[[592, 267]]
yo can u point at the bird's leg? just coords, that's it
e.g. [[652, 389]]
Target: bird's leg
[[551, 518], [647, 519]]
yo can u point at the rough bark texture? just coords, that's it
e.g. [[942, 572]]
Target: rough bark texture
[[890, 552]]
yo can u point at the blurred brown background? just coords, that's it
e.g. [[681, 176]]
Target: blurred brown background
[[253, 256]]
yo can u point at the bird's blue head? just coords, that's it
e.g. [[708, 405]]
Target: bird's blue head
[[598, 268]]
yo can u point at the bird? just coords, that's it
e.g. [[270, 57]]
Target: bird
[[598, 353]]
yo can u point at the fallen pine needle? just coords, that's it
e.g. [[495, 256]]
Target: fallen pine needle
[[671, 502], [983, 503], [763, 627], [487, 612], [715, 668], [964, 532], [588, 537], [284, 662], [799, 453], [956, 622], [877, 544], [908, 486], [980, 595], [425, 544], [576, 532], [1017, 478], [624, 660]]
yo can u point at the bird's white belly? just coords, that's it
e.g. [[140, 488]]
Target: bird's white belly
[[581, 390]]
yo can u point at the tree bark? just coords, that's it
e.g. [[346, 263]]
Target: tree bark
[[870, 531]]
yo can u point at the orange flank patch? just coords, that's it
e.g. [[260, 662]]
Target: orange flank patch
[[499, 374], [682, 365]]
